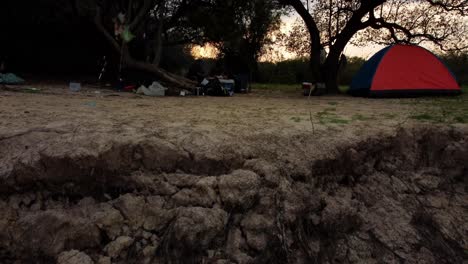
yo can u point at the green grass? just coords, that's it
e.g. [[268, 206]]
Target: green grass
[[337, 120], [298, 87], [325, 117], [462, 119], [389, 115], [289, 88], [296, 119], [360, 117], [447, 110], [330, 109], [343, 88], [424, 117]]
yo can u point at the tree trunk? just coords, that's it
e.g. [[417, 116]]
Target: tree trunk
[[315, 62], [314, 34], [158, 45], [158, 41], [330, 71], [331, 79]]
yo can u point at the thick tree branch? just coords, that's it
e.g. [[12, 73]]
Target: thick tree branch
[[142, 14], [460, 6]]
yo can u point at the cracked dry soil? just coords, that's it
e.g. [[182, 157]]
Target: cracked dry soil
[[398, 199]]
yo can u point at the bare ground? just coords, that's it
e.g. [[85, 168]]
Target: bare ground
[[108, 177]]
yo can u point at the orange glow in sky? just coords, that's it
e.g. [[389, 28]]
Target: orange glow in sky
[[208, 51]]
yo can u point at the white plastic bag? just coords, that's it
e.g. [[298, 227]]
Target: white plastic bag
[[156, 89]]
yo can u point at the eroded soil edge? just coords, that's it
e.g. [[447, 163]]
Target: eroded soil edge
[[384, 200]]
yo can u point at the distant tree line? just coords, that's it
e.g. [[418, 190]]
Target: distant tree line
[[458, 64], [298, 70]]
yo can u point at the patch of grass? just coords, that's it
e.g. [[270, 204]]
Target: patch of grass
[[389, 116], [360, 117], [422, 117], [333, 103], [337, 120], [322, 113], [330, 109], [463, 119], [443, 109], [296, 119], [343, 88], [465, 88], [288, 88], [325, 117]]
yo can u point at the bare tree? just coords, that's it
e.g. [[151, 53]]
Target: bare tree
[[332, 24]]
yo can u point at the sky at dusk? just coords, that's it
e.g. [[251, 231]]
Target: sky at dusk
[[350, 51], [208, 51]]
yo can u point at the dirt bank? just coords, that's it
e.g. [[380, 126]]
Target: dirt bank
[[400, 198]]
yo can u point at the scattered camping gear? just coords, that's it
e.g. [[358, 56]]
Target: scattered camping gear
[[10, 78], [156, 89], [228, 85], [184, 93], [205, 82], [404, 70], [218, 87]]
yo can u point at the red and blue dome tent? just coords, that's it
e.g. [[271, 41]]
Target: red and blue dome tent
[[404, 70]]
